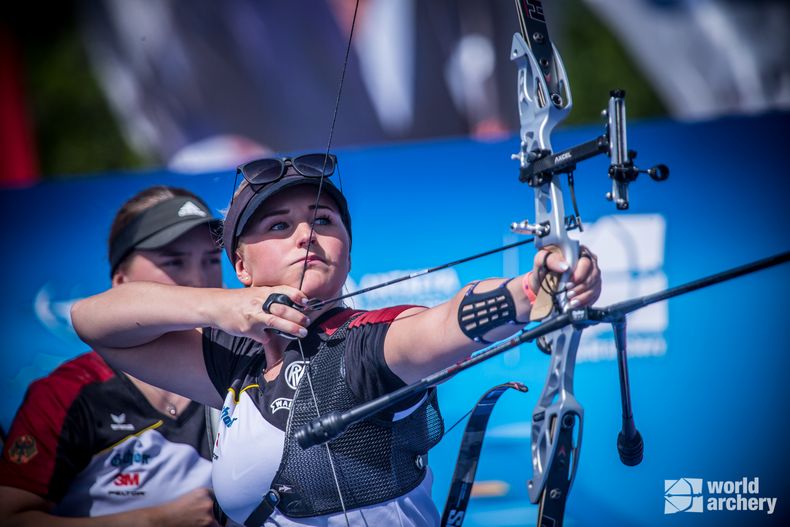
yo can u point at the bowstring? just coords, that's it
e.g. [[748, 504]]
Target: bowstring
[[310, 241]]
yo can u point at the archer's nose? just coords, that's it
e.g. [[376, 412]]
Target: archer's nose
[[304, 232]]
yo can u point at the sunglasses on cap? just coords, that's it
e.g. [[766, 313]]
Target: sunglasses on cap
[[264, 171], [266, 177]]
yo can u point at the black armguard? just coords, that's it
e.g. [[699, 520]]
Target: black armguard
[[479, 313]]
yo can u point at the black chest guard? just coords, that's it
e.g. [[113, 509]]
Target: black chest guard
[[376, 460]]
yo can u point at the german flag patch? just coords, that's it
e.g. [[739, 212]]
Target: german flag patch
[[23, 449]]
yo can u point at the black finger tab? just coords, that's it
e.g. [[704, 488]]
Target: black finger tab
[[277, 298]]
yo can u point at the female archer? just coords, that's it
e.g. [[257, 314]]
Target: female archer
[[270, 361], [93, 446]]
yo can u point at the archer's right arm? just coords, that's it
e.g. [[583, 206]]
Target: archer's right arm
[[153, 331]]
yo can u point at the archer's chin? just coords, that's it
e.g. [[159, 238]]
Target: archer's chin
[[320, 283]]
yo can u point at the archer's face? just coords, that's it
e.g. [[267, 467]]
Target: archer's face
[[193, 260], [273, 249]]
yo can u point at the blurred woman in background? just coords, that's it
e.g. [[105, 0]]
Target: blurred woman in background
[[91, 445]]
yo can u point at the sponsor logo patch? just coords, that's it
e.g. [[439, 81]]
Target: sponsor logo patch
[[119, 422], [281, 403], [126, 493], [294, 372], [127, 480], [190, 209], [129, 458], [23, 449], [226, 418]]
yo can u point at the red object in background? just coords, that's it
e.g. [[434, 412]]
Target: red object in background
[[18, 161]]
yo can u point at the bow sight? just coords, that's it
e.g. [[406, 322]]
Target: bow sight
[[544, 100], [539, 166]]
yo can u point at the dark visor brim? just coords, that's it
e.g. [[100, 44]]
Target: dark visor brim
[[173, 232]]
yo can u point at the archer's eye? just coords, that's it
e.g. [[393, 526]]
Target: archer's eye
[[323, 220], [173, 263]]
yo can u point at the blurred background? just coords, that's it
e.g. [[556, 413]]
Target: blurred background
[[101, 98], [90, 86]]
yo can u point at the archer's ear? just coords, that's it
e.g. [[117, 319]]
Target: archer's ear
[[118, 278], [241, 270]]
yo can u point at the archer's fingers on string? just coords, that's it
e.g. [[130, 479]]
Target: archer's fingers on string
[[289, 313], [271, 321], [297, 296]]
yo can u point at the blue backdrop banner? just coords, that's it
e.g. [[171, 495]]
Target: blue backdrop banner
[[708, 370]]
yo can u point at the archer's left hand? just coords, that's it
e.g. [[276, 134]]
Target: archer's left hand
[[584, 285]]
